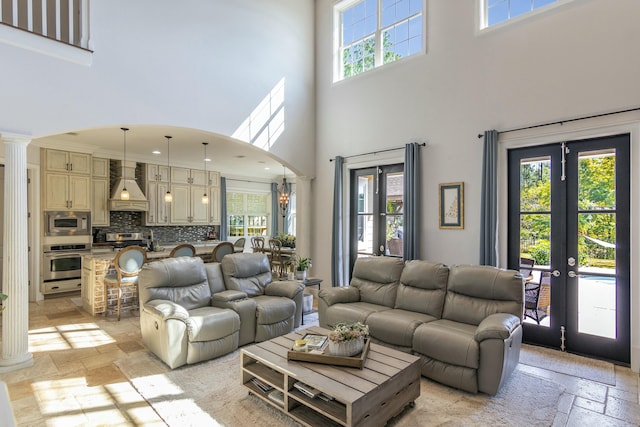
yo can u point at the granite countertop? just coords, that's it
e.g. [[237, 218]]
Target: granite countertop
[[162, 251]]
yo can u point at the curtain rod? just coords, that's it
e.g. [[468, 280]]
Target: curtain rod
[[561, 122], [246, 180], [376, 152]]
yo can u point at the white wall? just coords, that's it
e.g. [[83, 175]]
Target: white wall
[[203, 64], [580, 59]]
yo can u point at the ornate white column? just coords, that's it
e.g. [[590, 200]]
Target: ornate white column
[[15, 274]]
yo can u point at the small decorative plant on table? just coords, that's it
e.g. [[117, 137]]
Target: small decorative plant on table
[[302, 265], [347, 339]]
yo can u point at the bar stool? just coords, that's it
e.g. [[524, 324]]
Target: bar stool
[[221, 249], [184, 249], [128, 263]]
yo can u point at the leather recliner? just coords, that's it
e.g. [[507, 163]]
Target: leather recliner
[[267, 309], [177, 322]]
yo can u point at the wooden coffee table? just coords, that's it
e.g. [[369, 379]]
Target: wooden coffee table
[[389, 381]]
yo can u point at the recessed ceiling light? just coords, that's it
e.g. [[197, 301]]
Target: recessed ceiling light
[[207, 159], [156, 152], [267, 168], [240, 156]]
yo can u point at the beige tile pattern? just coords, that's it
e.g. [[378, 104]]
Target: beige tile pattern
[[74, 381]]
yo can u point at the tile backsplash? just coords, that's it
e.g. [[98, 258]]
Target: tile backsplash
[[132, 222]]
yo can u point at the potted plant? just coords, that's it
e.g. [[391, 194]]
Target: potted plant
[[347, 339], [3, 297], [302, 265]]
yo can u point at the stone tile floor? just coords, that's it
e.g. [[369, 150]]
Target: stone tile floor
[[74, 381]]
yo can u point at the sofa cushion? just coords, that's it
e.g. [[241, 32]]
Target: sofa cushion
[[211, 323], [449, 342], [351, 312], [182, 280], [476, 291], [246, 272], [396, 326], [377, 279], [423, 285]]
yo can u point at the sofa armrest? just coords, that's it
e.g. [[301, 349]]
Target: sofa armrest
[[333, 296], [497, 326], [227, 296], [165, 309], [285, 288]]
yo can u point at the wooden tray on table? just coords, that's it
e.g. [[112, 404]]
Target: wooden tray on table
[[324, 357]]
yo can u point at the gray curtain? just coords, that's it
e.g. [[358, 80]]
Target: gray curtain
[[411, 226], [489, 200], [223, 209], [275, 213], [337, 270]]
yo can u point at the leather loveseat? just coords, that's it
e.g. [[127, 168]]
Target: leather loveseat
[[463, 321], [190, 311]]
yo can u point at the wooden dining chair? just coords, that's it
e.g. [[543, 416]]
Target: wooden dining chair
[[257, 244], [238, 245], [276, 260]]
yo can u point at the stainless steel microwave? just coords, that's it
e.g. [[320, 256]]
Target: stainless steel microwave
[[66, 223]]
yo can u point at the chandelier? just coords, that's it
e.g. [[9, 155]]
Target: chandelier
[[283, 200]]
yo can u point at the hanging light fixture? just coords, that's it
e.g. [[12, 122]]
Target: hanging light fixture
[[124, 194], [205, 198], [168, 197], [283, 200]]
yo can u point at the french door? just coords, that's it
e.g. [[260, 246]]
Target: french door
[[377, 200], [569, 234]]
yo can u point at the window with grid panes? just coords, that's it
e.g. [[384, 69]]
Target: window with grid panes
[[375, 32], [247, 214], [499, 11]]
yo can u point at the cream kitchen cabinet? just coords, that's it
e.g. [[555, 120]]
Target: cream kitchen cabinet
[[188, 176], [158, 213], [100, 168], [157, 173], [214, 179], [67, 192], [100, 206], [66, 161], [214, 205], [187, 207], [100, 192]]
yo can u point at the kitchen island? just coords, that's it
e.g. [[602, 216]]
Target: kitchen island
[[97, 264]]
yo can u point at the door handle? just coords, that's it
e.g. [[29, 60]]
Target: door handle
[[572, 274], [555, 273]]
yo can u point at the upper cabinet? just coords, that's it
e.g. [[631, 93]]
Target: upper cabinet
[[66, 161], [187, 187], [66, 180], [157, 173], [100, 192]]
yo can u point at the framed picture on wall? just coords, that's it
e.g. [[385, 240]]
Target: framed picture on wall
[[451, 207]]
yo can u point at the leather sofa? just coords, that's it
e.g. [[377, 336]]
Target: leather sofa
[[464, 321], [191, 311]]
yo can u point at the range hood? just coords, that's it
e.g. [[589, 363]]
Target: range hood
[[137, 200]]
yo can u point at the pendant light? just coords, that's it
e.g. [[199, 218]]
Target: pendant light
[[168, 197], [124, 194], [283, 200], [205, 198]]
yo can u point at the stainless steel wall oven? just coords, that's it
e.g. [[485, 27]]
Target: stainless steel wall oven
[[63, 261]]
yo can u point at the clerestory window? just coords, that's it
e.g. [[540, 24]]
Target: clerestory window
[[371, 33], [500, 11]]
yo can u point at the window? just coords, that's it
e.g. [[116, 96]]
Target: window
[[375, 32], [498, 11], [247, 214]]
